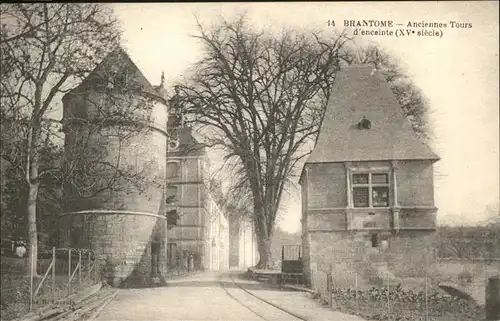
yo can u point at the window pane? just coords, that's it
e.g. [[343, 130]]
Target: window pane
[[171, 194], [360, 178], [172, 169], [360, 197], [380, 178], [380, 196]]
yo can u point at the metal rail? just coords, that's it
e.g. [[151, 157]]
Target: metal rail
[[291, 313]]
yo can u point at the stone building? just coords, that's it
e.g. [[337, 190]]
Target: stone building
[[367, 188], [216, 245], [170, 220], [124, 225], [201, 232], [243, 245]]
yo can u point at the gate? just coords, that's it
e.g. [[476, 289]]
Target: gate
[[291, 263]]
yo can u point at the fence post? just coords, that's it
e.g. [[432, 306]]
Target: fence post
[[356, 289], [69, 272], [388, 298], [330, 288], [485, 273], [54, 274], [88, 269], [427, 267], [426, 299], [492, 304], [80, 267], [31, 277]]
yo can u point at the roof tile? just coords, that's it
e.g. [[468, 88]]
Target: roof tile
[[360, 91]]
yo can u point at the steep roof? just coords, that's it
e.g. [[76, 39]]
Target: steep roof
[[115, 67], [188, 145], [360, 91]]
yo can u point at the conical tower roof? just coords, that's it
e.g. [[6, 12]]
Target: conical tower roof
[[362, 92], [117, 68]]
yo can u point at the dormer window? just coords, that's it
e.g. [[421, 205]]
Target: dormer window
[[364, 124]]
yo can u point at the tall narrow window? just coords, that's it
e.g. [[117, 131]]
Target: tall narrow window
[[172, 195], [173, 170], [374, 240], [370, 189]]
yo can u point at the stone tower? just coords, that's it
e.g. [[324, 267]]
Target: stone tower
[[116, 141], [367, 187]]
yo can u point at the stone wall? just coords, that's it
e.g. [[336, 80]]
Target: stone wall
[[248, 253], [349, 255], [415, 183], [326, 186], [118, 208], [121, 243], [335, 236]]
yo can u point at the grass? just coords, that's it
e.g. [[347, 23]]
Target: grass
[[15, 285], [406, 306], [408, 303]]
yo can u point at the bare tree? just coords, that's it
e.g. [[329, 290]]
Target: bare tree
[[234, 199], [45, 49], [261, 98]]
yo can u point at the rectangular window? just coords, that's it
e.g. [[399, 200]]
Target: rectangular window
[[172, 196], [374, 240], [361, 197], [171, 254], [370, 189], [173, 169], [380, 196]]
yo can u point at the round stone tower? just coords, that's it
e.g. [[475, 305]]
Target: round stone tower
[[115, 147]]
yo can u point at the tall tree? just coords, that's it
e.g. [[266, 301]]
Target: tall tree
[[45, 49], [260, 97]]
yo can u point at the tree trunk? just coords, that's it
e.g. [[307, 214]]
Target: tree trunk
[[32, 230], [33, 163], [264, 235], [264, 248]]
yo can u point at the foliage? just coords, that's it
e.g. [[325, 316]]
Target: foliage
[[467, 242], [45, 49], [14, 192], [280, 238], [405, 305], [260, 97], [411, 99], [14, 298]]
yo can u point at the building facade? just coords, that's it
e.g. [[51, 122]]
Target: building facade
[[199, 239], [243, 244], [247, 249], [114, 123], [367, 188], [216, 246], [139, 229]]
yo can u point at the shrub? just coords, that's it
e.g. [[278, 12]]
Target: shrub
[[465, 277]]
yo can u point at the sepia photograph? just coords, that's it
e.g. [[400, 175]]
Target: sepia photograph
[[250, 161]]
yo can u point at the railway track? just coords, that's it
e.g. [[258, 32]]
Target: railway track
[[262, 308], [85, 309]]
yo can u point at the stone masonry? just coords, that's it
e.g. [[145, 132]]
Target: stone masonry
[[367, 188], [125, 225]]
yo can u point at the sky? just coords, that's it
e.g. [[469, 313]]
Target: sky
[[458, 73]]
